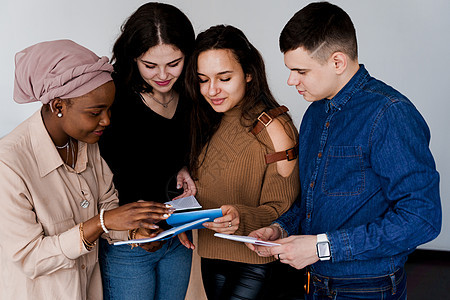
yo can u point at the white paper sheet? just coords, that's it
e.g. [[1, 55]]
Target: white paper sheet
[[189, 202], [245, 239]]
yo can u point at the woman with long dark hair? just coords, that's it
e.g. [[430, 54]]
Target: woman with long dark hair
[[147, 145], [243, 157]]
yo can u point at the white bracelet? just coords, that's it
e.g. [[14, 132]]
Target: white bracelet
[[102, 221]]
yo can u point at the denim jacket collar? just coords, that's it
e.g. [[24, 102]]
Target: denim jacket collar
[[348, 90]]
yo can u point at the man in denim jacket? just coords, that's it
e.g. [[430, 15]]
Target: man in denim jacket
[[369, 185]]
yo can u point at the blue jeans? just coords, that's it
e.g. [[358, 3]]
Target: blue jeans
[[129, 274], [388, 287]]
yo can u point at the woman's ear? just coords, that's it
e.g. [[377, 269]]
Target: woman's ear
[[248, 78], [57, 106]]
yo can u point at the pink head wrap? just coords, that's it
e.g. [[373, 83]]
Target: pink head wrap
[[58, 69]]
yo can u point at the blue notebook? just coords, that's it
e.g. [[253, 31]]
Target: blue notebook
[[178, 219], [181, 222]]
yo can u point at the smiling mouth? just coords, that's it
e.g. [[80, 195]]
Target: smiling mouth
[[217, 101], [162, 83]]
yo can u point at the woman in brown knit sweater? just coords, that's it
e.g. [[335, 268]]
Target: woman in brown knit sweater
[[243, 158]]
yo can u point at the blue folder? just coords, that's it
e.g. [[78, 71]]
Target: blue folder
[[178, 219]]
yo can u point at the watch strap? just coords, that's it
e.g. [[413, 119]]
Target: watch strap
[[322, 238]]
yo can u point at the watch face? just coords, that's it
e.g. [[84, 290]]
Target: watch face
[[323, 249]]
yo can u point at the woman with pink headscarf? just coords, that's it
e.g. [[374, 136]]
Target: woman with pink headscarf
[[57, 194]]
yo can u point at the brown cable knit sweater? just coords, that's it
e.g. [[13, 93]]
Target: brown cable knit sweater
[[234, 172]]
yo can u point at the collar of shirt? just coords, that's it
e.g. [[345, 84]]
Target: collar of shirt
[[346, 93], [47, 157]]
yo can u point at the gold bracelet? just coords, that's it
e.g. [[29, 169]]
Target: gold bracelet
[[88, 245], [132, 235], [80, 227]]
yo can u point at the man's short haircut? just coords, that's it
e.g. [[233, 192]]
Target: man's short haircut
[[322, 29]]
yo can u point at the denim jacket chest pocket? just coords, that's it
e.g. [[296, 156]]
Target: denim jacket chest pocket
[[344, 173]]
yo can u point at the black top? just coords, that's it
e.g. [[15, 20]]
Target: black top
[[143, 149]]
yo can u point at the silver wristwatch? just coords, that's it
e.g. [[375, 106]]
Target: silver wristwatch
[[323, 247]]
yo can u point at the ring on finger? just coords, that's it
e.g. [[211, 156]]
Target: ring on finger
[[229, 224]]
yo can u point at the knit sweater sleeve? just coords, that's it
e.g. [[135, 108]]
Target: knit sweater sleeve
[[277, 194]]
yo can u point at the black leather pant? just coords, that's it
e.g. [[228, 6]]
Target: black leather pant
[[227, 280]]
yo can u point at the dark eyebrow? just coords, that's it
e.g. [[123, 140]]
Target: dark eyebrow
[[97, 106], [220, 73], [175, 60], [297, 69], [170, 62]]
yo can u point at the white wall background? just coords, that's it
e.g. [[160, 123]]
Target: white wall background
[[405, 43]]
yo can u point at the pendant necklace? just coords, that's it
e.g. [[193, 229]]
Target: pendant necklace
[[84, 203], [165, 105]]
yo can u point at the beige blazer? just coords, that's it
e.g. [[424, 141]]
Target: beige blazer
[[41, 253]]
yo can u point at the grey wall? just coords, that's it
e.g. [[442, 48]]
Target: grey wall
[[404, 42]]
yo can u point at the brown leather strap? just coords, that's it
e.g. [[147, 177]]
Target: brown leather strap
[[289, 154], [265, 118]]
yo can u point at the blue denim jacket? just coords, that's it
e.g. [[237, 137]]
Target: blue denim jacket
[[368, 179]]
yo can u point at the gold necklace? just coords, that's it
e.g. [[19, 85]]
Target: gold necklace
[[165, 105]]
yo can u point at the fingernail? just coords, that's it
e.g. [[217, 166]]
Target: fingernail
[[178, 186], [168, 205], [166, 215], [155, 226], [171, 210]]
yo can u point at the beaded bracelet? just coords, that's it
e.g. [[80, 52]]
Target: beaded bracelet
[[88, 245], [102, 221]]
